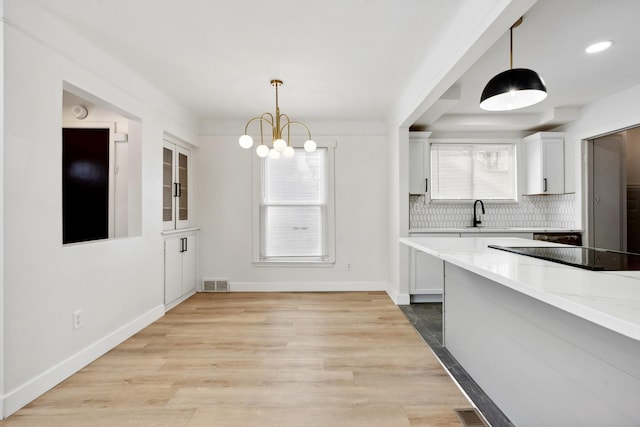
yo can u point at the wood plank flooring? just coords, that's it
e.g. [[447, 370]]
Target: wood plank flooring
[[261, 359]]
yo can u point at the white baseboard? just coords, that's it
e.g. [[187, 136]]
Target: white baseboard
[[398, 298], [306, 286], [172, 304], [426, 298], [22, 395]]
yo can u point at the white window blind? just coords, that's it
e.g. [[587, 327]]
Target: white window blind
[[294, 206], [473, 171]]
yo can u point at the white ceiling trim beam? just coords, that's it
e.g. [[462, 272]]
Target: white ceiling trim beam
[[559, 116], [443, 105], [488, 122], [465, 122], [479, 25]]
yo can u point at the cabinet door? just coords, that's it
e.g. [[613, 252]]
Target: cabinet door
[[533, 166], [417, 178], [544, 165], [172, 269], [176, 169], [183, 166], [428, 274], [419, 162], [168, 190], [189, 264], [553, 179]]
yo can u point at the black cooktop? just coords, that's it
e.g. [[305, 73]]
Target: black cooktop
[[577, 256]]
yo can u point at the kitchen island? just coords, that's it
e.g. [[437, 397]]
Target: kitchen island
[[550, 344]]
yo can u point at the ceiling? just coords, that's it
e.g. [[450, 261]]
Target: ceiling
[[352, 60], [551, 40]]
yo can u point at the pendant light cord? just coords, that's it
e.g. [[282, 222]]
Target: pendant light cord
[[517, 23], [511, 48]]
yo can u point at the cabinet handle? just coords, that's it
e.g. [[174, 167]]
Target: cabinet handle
[[186, 247], [544, 180], [183, 244], [179, 190], [175, 189], [426, 185]]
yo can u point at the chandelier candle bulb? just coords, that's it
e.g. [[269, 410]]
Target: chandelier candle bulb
[[274, 154], [262, 150], [281, 146], [246, 141], [288, 152], [310, 146]]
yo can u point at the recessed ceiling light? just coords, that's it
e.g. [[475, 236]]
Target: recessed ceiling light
[[599, 47]]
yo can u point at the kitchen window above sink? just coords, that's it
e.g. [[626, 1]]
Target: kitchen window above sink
[[469, 171]]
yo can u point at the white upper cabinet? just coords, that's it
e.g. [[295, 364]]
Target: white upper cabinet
[[176, 176], [543, 154], [419, 162]]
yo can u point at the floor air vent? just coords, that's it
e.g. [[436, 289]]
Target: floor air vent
[[215, 286], [469, 417]]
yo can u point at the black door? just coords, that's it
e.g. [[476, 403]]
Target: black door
[[85, 184]]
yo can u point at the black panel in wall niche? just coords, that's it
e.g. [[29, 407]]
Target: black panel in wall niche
[[85, 184]]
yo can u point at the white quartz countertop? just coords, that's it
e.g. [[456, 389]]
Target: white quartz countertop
[[607, 298], [494, 230]]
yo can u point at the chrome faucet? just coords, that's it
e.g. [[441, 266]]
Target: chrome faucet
[[476, 219]]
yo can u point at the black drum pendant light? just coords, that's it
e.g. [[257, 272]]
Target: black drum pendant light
[[514, 88]]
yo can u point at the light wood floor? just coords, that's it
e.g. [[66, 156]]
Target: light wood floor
[[261, 359]]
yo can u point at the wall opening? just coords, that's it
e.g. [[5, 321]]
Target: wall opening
[[613, 196], [101, 170]]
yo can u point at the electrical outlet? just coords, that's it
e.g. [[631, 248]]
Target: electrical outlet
[[348, 266], [78, 319]]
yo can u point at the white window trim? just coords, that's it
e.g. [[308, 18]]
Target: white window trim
[[330, 226], [518, 161]]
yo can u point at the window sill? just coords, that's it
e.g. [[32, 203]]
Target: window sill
[[289, 264]]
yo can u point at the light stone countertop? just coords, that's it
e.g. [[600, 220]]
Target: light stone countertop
[[494, 230], [610, 299]]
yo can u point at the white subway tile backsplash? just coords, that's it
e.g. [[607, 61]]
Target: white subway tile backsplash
[[553, 211]]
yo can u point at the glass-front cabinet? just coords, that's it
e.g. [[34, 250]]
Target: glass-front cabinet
[[175, 186]]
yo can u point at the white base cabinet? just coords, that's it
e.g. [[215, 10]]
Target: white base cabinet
[[540, 364], [426, 279], [180, 266]]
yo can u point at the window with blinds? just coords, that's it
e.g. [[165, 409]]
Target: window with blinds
[[473, 171], [295, 207]]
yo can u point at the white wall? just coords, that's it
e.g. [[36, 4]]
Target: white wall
[[224, 213], [2, 310], [118, 282], [451, 55], [633, 156], [398, 152], [608, 115]]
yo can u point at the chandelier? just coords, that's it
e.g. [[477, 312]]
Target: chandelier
[[280, 146]]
